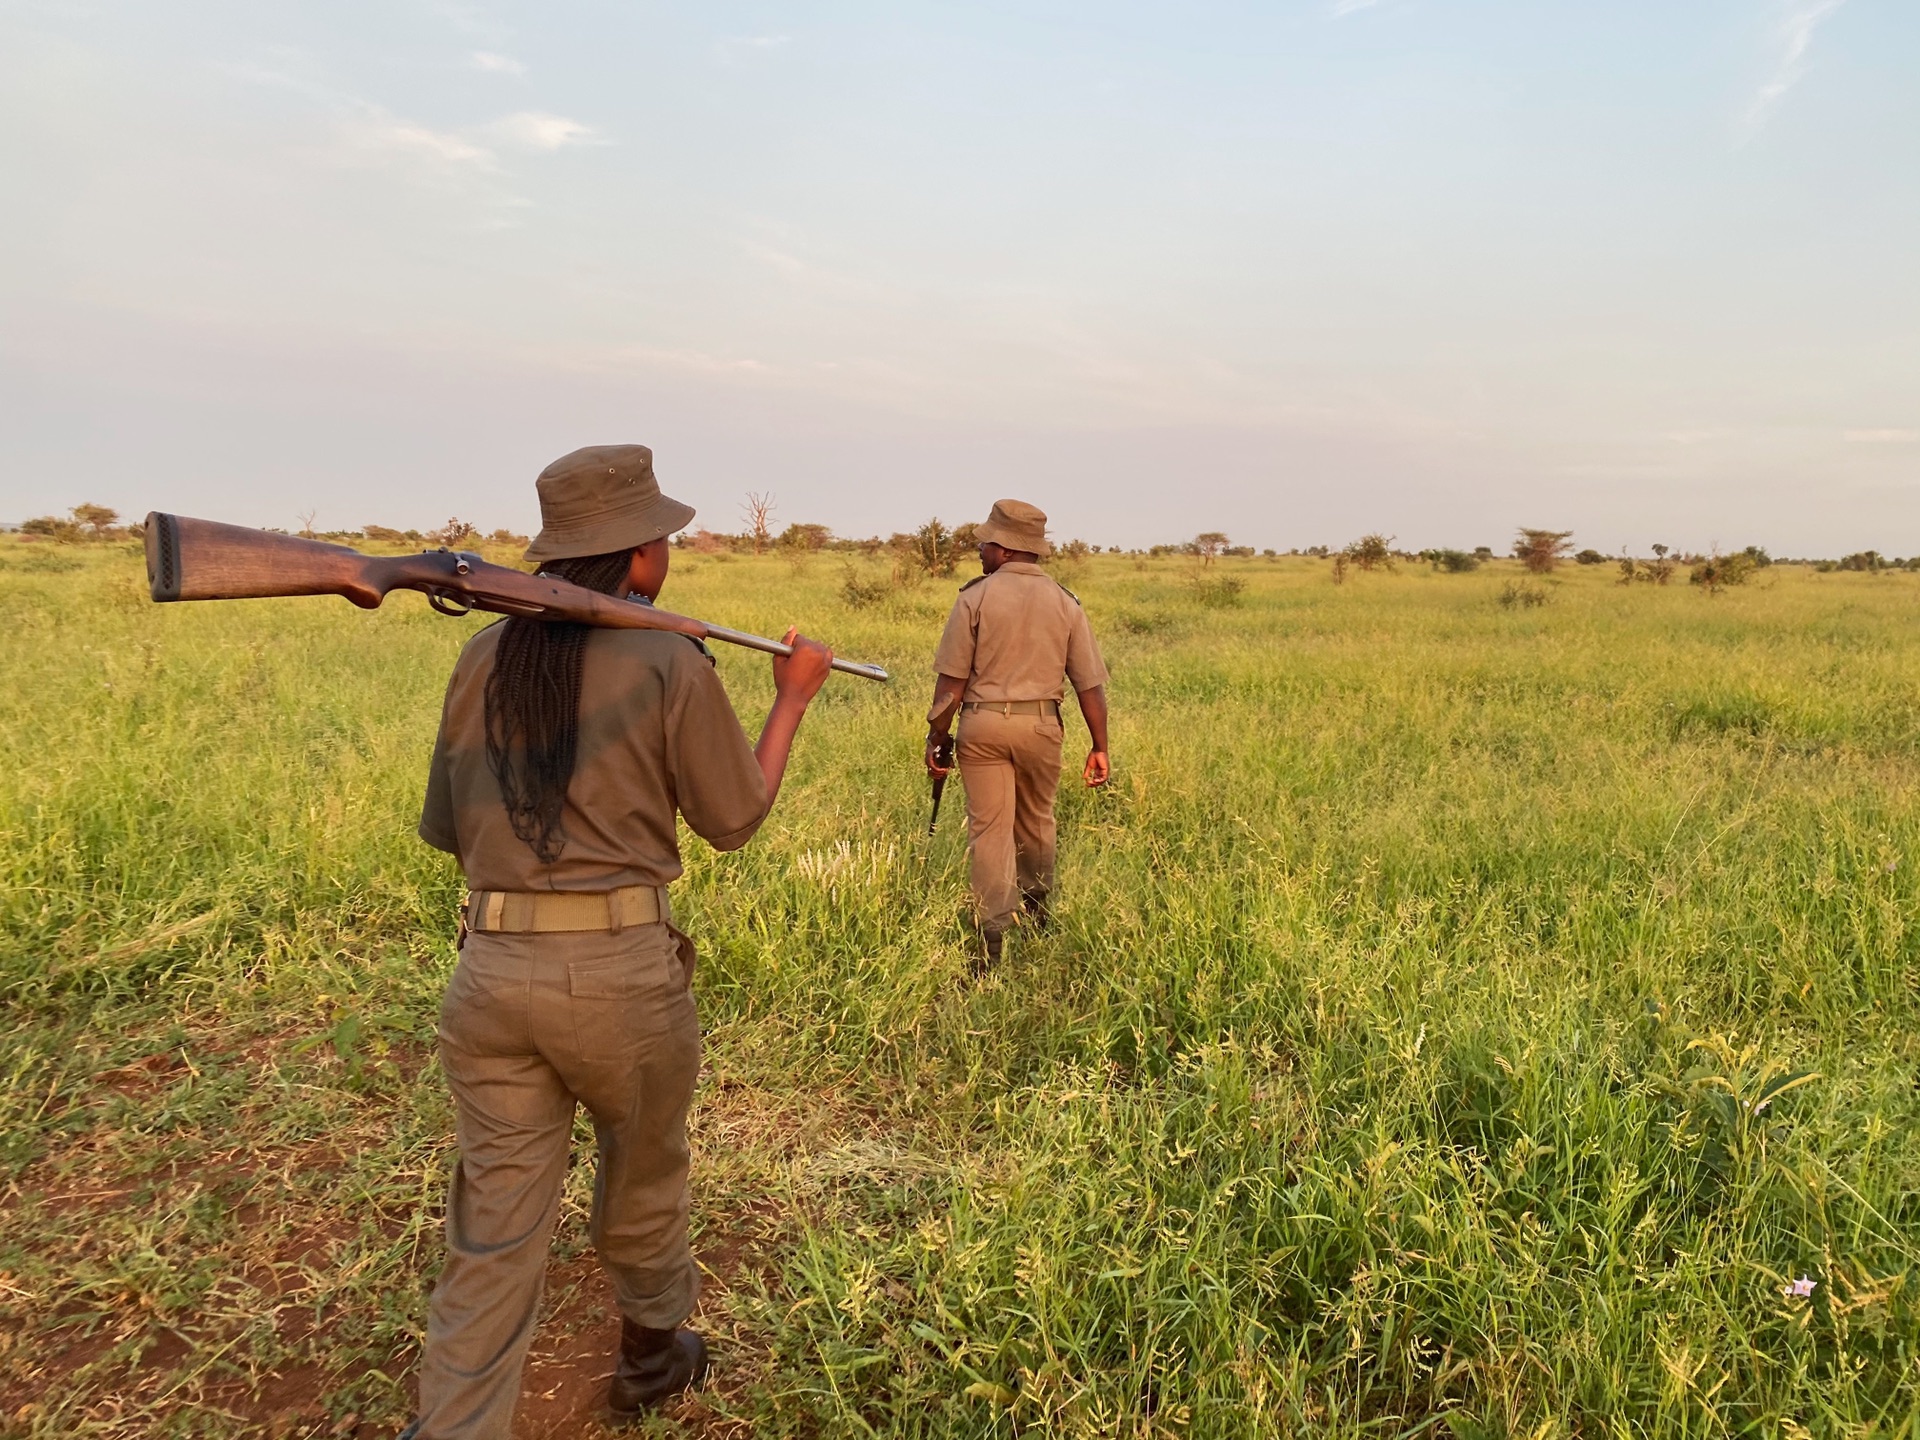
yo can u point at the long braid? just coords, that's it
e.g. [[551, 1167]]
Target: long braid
[[533, 707]]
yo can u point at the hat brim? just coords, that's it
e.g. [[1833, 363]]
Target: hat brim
[[620, 530], [1008, 540]]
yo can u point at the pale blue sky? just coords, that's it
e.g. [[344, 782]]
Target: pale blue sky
[[1294, 271]]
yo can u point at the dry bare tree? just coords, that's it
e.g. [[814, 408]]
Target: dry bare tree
[[758, 511], [306, 518]]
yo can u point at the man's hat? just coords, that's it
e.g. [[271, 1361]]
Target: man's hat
[[1017, 525], [601, 499]]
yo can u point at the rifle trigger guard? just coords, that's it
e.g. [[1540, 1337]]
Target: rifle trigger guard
[[446, 605]]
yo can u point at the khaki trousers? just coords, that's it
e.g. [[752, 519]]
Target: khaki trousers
[[1010, 765], [531, 1026]]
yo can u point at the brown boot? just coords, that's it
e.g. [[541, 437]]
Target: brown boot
[[991, 942], [1039, 912], [652, 1367]]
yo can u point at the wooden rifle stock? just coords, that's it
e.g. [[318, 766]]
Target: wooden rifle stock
[[205, 560]]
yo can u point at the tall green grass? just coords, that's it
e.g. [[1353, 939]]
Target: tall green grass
[[1458, 1017]]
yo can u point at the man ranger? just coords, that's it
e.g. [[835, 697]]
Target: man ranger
[[1014, 632]]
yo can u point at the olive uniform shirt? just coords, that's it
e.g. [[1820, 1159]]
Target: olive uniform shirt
[[1012, 634], [657, 734]]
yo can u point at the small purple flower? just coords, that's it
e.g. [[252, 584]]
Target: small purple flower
[[1801, 1288]]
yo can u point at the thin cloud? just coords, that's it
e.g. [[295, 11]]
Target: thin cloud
[[536, 130], [377, 129], [733, 47], [1793, 37], [490, 62], [1883, 437], [1348, 7]]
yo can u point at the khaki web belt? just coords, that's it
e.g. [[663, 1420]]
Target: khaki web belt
[[522, 911], [1014, 707]]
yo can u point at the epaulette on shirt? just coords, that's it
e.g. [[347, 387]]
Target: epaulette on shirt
[[1070, 595], [973, 582]]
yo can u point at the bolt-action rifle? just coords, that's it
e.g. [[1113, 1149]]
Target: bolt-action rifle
[[205, 560]]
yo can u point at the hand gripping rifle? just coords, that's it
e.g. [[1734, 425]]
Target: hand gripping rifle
[[205, 560], [943, 756]]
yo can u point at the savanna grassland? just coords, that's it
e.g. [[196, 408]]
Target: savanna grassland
[[1460, 1019]]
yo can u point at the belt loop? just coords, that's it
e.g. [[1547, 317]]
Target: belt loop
[[666, 908], [616, 910]]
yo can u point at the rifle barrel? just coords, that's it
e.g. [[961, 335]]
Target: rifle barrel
[[776, 647]]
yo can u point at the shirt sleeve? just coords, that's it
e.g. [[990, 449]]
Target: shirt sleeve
[[1085, 669], [954, 655], [436, 814], [716, 780]]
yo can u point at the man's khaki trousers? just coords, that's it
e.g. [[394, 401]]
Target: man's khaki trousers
[[531, 1026], [1010, 765]]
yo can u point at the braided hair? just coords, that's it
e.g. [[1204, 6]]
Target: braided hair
[[533, 707]]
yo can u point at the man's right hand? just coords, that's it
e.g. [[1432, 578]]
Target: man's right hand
[[800, 675], [934, 767]]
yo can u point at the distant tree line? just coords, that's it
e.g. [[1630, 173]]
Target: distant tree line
[[934, 548]]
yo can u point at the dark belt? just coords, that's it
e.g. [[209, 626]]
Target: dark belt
[[1014, 707]]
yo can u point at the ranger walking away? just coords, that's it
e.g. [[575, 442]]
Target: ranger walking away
[[1013, 634], [563, 755]]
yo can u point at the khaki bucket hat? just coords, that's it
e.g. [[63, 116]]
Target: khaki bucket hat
[[1017, 525], [601, 499]]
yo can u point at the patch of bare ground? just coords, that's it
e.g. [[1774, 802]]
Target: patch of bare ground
[[263, 1355]]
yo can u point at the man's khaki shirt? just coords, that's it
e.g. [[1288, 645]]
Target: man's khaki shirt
[[657, 734], [1014, 633]]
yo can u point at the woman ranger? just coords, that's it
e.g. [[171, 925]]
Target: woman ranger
[[563, 755]]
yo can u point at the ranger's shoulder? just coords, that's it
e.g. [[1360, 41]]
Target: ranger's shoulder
[[971, 583], [1069, 594]]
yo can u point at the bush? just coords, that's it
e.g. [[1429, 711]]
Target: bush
[[51, 527], [1219, 592], [1863, 560], [1590, 557], [1519, 594], [1454, 562], [1717, 572], [1370, 552]]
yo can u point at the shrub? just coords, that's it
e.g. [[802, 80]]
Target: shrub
[[1590, 557], [1541, 550], [1454, 562], [1370, 552], [1218, 592], [1864, 560], [51, 527], [1519, 594], [1717, 572], [1649, 572], [804, 537]]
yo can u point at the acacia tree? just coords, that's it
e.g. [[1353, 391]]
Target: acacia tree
[[97, 518], [758, 510], [1209, 544], [1542, 550]]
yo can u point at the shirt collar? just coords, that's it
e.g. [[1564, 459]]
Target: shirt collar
[[1020, 567]]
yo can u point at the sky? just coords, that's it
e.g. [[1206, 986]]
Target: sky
[[1641, 270]]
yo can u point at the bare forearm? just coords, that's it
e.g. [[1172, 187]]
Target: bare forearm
[[1093, 709], [776, 741]]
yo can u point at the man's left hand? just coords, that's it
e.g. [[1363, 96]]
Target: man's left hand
[[1098, 770]]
